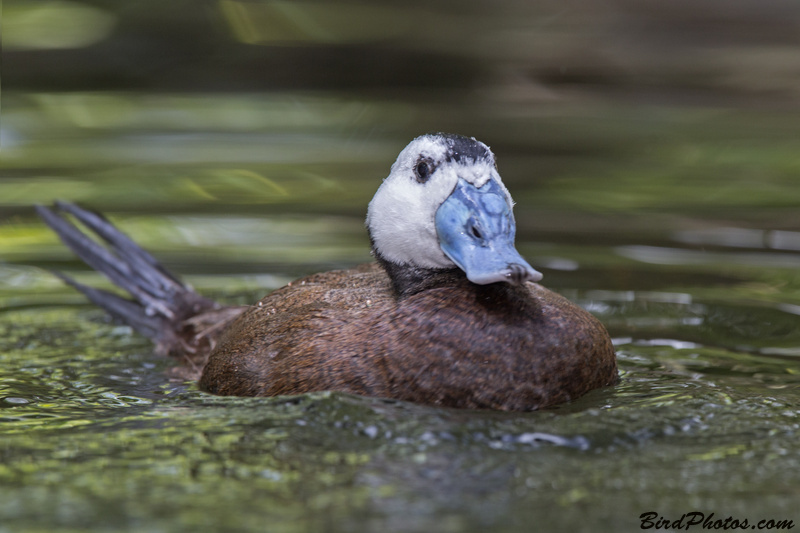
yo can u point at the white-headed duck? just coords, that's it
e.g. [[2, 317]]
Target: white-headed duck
[[450, 314]]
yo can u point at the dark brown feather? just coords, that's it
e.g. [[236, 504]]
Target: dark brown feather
[[497, 346]]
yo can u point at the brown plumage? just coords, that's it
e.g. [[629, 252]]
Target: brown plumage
[[412, 327], [498, 346]]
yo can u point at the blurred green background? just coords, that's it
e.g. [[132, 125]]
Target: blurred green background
[[651, 147]]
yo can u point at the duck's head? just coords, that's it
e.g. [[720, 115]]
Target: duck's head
[[444, 206]]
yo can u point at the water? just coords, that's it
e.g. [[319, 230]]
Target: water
[[662, 201]]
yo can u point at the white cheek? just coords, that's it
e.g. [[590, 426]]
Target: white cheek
[[401, 221]]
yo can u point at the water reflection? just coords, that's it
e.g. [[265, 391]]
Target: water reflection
[[677, 256], [292, 23], [741, 238], [652, 151]]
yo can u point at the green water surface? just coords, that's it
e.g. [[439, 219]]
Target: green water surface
[[663, 200]]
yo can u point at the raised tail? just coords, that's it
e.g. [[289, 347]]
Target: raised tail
[[164, 309]]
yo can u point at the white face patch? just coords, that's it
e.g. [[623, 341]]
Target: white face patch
[[401, 215]]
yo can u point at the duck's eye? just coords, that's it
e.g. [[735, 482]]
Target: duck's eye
[[423, 170]]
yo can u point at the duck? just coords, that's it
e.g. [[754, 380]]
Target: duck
[[448, 314]]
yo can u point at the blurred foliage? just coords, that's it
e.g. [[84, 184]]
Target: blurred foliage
[[55, 24]]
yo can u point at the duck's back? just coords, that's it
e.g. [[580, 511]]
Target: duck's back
[[460, 344]]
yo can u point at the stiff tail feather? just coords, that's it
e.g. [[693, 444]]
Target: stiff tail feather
[[179, 321]]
